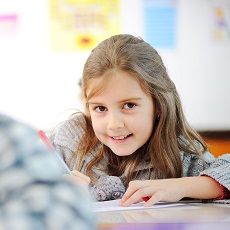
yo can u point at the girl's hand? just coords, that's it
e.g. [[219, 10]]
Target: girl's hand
[[170, 190], [78, 178]]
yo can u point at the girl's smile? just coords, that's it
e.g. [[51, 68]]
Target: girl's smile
[[121, 137], [122, 114]]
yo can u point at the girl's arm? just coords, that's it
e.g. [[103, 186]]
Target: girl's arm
[[171, 190], [212, 183]]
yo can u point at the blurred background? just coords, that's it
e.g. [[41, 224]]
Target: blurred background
[[44, 44]]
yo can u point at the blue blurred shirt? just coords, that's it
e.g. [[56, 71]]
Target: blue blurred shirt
[[33, 193]]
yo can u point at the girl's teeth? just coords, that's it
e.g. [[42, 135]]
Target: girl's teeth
[[120, 138]]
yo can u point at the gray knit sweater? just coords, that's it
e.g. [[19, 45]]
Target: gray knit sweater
[[66, 138]]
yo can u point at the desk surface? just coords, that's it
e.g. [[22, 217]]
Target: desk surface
[[187, 217]]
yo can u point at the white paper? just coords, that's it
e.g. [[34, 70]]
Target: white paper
[[113, 205]]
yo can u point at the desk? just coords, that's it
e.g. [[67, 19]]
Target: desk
[[192, 216]]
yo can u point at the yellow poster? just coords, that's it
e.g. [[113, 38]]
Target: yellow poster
[[79, 25]]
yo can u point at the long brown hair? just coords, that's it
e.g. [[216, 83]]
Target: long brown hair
[[171, 132]]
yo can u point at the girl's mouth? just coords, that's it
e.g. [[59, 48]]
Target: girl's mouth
[[121, 137]]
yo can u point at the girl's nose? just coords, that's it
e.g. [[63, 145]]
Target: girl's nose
[[115, 122]]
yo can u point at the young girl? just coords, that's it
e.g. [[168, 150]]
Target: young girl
[[133, 140]]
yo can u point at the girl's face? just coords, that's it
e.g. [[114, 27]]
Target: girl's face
[[122, 115]]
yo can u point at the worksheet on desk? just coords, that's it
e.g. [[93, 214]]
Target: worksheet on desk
[[113, 205]]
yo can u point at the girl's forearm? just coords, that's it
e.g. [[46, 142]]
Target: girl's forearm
[[201, 187]]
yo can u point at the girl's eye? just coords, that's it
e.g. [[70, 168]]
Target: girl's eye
[[100, 109], [129, 105]]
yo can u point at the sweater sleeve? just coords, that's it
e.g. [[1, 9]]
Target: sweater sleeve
[[219, 170], [107, 188]]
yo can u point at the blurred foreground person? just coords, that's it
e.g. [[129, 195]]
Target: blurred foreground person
[[33, 193]]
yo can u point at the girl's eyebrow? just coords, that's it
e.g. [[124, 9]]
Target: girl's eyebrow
[[122, 101], [130, 99]]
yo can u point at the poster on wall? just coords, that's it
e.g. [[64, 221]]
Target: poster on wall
[[221, 20], [8, 24], [9, 20], [160, 22], [79, 25]]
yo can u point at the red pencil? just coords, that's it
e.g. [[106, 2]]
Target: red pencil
[[146, 198], [46, 140]]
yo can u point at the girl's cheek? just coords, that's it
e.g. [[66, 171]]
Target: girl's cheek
[[98, 124]]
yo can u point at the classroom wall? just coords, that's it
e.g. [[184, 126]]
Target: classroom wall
[[40, 86]]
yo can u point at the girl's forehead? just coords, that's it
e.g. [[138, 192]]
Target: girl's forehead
[[118, 82], [106, 80]]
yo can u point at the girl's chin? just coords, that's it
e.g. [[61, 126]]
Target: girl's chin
[[122, 154]]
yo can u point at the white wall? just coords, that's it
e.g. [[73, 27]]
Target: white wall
[[37, 85]]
